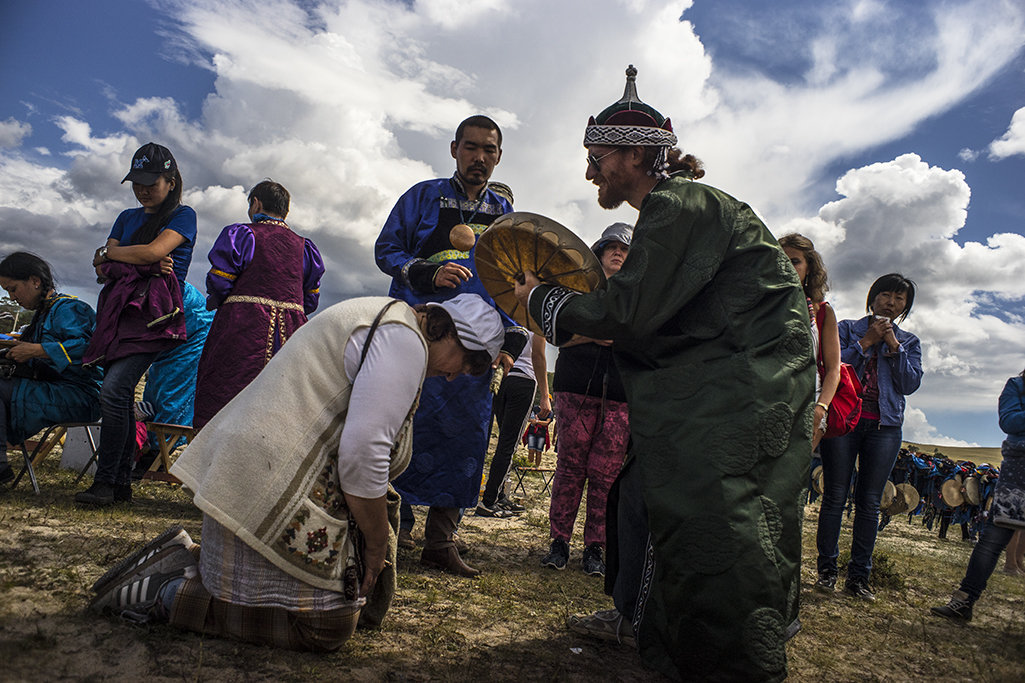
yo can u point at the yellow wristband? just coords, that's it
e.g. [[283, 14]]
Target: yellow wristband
[[822, 405]]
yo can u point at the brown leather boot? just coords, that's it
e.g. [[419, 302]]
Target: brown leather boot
[[447, 559], [405, 539]]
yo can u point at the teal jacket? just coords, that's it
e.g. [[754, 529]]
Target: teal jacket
[[64, 331]]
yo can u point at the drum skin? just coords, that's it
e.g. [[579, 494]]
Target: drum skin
[[522, 241]]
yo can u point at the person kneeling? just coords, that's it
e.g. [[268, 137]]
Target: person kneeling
[[292, 476]]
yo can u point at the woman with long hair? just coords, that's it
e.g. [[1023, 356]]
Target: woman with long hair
[[43, 382], [147, 245], [888, 361], [825, 334]]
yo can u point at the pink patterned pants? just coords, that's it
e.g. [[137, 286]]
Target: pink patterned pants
[[592, 447]]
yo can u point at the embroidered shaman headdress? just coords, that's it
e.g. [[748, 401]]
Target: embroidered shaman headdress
[[630, 122]]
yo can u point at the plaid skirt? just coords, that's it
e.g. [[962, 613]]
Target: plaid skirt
[[194, 609]]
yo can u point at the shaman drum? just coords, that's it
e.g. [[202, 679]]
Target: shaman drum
[[950, 492], [971, 490], [911, 496], [889, 493], [816, 479], [522, 241]]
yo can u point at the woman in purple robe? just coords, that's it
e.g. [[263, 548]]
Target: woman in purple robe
[[264, 280]]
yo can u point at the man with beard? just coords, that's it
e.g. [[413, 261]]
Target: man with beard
[[418, 249], [711, 339]]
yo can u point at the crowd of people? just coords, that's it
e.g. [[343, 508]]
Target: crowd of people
[[693, 388]]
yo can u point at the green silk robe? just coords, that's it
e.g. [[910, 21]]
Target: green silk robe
[[713, 343]]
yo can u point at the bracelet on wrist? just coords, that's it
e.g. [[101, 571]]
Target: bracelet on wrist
[[822, 405]]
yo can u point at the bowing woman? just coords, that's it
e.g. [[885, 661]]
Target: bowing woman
[[888, 361], [47, 384], [147, 244]]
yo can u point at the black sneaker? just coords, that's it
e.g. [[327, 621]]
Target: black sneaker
[[958, 609], [558, 556], [485, 511], [509, 505], [98, 494], [826, 583], [592, 561], [6, 473], [858, 587]]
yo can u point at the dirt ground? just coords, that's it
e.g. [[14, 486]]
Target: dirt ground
[[508, 625]]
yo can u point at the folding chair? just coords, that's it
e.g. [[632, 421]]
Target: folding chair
[[547, 474], [167, 436], [40, 449]]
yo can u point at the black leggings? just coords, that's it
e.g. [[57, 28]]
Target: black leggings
[[511, 405]]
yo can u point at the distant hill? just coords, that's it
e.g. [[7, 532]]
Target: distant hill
[[976, 455]]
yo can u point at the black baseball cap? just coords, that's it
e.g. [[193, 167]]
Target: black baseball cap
[[149, 163]]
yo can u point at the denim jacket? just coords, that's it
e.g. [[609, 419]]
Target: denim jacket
[[1012, 409], [900, 373]]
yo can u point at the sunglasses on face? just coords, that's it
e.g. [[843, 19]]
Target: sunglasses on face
[[596, 161]]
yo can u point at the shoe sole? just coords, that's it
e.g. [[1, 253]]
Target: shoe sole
[[136, 559], [863, 598], [824, 589], [169, 563], [553, 565], [950, 617]]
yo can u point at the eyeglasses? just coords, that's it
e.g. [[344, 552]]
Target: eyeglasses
[[596, 161]]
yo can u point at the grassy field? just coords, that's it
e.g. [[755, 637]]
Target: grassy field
[[508, 625], [976, 455]]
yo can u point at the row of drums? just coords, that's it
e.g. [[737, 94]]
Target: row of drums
[[900, 498]]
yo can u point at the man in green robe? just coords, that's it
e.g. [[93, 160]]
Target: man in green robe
[[711, 336]]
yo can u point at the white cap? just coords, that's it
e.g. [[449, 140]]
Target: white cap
[[477, 323]]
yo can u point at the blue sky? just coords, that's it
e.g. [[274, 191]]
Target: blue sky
[[885, 131]]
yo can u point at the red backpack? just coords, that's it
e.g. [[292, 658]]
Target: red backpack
[[845, 408]]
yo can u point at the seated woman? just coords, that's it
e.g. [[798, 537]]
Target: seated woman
[[299, 518], [48, 385]]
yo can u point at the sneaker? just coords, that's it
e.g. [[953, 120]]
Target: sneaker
[[99, 494], [485, 511], [6, 473], [858, 587], [406, 539], [558, 556], [606, 624], [826, 582], [174, 536], [592, 561], [509, 505], [958, 609], [137, 592]]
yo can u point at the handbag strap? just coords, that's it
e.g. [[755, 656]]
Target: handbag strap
[[373, 328]]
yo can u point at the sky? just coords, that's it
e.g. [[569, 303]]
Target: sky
[[890, 133]]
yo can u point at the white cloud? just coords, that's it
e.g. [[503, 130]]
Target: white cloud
[[968, 155], [1013, 141], [918, 430], [12, 132]]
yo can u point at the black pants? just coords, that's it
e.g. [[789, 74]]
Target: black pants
[[511, 405]]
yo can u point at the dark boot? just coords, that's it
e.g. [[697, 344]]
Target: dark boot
[[99, 494], [958, 609], [439, 543], [447, 559]]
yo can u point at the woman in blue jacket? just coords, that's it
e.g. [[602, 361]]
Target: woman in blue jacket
[[49, 384], [888, 361], [155, 238], [1010, 489]]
